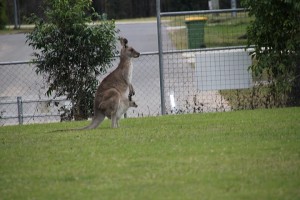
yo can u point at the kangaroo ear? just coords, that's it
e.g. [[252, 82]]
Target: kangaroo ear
[[123, 41]]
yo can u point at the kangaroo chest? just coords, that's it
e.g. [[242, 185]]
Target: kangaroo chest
[[122, 108], [130, 69]]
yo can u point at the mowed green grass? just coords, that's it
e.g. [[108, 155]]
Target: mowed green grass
[[234, 155]]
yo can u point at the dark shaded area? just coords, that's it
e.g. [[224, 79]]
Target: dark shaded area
[[115, 9]]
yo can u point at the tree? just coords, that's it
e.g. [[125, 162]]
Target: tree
[[71, 52], [3, 17], [275, 32]]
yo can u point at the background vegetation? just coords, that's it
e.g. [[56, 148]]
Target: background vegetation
[[275, 32], [234, 155], [219, 30], [3, 15], [116, 9]]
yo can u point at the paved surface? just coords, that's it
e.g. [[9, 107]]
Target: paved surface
[[142, 36], [13, 48]]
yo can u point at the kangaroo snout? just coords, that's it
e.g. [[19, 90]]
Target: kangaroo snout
[[132, 104], [137, 55]]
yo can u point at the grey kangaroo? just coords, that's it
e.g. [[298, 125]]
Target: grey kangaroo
[[110, 98]]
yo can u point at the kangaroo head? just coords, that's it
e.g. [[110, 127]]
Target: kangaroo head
[[127, 51], [132, 104]]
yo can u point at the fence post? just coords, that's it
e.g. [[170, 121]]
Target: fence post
[[160, 58], [233, 6], [20, 110], [16, 14]]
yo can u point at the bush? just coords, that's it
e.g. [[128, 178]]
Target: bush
[[71, 52], [275, 32]]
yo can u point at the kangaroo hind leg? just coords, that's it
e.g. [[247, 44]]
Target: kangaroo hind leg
[[114, 121]]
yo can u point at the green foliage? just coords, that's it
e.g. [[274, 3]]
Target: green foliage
[[234, 155], [221, 30], [3, 17], [71, 52], [275, 32]]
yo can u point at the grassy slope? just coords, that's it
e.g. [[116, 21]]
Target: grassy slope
[[236, 155], [220, 31]]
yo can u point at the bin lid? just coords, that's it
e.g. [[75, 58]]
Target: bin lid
[[188, 19]]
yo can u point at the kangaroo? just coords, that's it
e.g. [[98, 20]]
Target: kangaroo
[[115, 107], [110, 97]]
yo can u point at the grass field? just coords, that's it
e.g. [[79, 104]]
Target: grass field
[[219, 31], [234, 155]]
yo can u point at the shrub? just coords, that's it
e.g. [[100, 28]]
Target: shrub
[[72, 51], [275, 32]]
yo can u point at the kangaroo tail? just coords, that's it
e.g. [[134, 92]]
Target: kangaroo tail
[[97, 119]]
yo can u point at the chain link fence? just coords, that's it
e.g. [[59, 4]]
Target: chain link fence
[[23, 97], [204, 68], [205, 62]]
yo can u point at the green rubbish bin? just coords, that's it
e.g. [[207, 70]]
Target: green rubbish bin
[[195, 31]]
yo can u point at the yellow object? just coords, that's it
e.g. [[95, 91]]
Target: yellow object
[[188, 19]]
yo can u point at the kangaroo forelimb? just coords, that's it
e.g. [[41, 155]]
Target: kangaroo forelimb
[[131, 90]]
